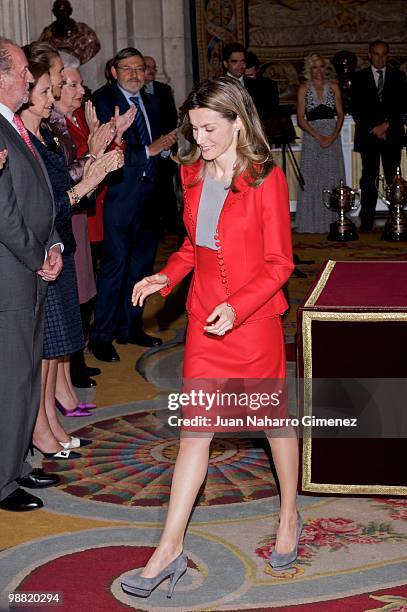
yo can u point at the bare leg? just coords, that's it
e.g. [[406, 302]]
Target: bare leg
[[43, 436], [54, 423], [67, 370], [285, 456], [189, 473], [64, 391]]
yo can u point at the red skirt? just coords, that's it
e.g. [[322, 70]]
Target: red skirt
[[244, 364]]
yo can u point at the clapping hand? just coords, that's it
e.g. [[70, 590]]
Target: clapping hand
[[108, 162], [101, 138], [147, 286], [221, 320], [163, 142], [124, 121], [91, 116], [3, 158]]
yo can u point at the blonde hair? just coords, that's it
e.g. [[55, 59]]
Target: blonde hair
[[329, 73], [230, 99]]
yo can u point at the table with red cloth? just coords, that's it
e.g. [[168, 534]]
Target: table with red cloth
[[352, 336]]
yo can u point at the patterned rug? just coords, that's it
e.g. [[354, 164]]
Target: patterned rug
[[132, 458], [352, 555]]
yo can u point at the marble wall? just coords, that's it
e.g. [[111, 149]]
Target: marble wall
[[157, 27]]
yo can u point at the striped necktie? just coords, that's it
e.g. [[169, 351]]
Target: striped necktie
[[380, 84], [141, 125], [22, 130]]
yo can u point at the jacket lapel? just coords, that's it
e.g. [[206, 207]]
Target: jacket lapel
[[120, 99], [370, 82], [192, 196], [388, 80], [35, 162]]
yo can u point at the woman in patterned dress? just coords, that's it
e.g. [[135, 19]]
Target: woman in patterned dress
[[320, 116]]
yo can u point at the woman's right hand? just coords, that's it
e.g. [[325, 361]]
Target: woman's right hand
[[147, 286], [100, 138], [325, 141], [3, 158]]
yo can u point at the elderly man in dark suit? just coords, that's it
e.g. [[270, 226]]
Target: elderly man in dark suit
[[378, 103], [162, 91], [167, 169], [30, 254], [130, 223]]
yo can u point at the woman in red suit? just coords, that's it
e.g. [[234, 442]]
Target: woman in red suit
[[239, 246]]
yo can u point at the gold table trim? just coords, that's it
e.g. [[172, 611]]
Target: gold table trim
[[307, 484]]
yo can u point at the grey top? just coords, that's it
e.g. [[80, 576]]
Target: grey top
[[210, 206]]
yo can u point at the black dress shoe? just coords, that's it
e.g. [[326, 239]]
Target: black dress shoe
[[83, 382], [20, 501], [104, 351], [37, 479], [140, 338], [92, 371]]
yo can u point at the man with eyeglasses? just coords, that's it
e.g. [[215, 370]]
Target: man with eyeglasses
[[130, 208]]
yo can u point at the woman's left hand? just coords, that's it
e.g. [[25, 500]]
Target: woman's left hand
[[91, 116], [222, 319]]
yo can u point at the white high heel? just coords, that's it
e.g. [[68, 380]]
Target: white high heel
[[75, 443]]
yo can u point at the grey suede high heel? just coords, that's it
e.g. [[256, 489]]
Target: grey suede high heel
[[143, 587], [280, 561]]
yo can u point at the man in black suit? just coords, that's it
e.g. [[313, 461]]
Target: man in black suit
[[130, 224], [162, 91], [30, 253], [378, 102], [263, 91], [267, 95], [167, 169]]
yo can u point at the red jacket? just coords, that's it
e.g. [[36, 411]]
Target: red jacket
[[254, 241]]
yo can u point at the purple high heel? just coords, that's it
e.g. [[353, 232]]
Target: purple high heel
[[77, 412], [86, 405]]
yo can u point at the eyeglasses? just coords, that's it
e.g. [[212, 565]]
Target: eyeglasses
[[130, 70]]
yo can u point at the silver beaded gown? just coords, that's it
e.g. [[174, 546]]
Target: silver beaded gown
[[321, 168]]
